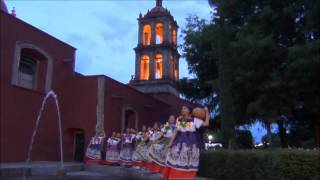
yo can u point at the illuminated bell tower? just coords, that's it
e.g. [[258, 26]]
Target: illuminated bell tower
[[157, 58]]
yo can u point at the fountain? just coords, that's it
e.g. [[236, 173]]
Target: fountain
[[51, 93]]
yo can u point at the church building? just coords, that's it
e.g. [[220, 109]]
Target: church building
[[34, 62]]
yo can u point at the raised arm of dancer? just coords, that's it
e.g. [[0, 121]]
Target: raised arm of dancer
[[172, 137], [206, 122]]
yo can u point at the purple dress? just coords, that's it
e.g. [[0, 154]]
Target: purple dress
[[95, 147], [184, 153], [113, 153], [127, 148]]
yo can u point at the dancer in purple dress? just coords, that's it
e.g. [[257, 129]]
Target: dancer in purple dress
[[93, 153], [127, 148], [158, 150], [112, 149], [183, 154]]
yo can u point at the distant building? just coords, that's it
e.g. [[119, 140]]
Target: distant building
[[33, 62]]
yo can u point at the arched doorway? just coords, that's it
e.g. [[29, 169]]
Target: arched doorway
[[76, 137], [79, 142], [129, 118]]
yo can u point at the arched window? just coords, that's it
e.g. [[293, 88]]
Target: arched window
[[146, 35], [158, 68], [144, 67], [32, 67], [174, 37], [159, 33], [27, 72]]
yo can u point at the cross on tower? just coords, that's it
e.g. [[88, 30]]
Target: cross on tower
[[159, 2]]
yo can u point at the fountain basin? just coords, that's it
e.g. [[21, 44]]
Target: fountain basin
[[38, 168]]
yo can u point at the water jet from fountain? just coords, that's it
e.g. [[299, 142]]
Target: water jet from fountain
[[52, 94]]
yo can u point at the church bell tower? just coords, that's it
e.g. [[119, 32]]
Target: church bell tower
[[157, 58]]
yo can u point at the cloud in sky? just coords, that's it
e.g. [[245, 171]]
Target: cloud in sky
[[104, 32]]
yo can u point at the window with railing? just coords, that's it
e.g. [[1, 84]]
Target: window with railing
[[27, 72]]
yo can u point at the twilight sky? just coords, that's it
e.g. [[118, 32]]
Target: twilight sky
[[103, 31], [106, 31]]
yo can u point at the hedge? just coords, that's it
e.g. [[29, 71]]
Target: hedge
[[279, 164]]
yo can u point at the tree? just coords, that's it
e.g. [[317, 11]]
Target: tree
[[254, 56], [244, 139]]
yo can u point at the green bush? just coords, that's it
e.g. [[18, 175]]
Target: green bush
[[280, 164]]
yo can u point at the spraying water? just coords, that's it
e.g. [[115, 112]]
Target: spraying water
[[51, 93]]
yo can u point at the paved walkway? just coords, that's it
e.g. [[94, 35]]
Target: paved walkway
[[74, 171]]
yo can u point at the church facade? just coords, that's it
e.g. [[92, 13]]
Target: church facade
[[34, 62]]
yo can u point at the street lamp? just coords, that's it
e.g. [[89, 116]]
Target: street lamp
[[210, 137]]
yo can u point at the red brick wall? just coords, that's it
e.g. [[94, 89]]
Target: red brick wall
[[78, 109], [20, 106], [77, 96], [118, 96]]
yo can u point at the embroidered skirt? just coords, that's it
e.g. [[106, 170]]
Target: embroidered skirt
[[158, 151], [112, 154], [141, 152], [126, 152], [184, 153], [94, 151]]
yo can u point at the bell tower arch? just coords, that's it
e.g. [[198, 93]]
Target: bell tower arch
[[157, 58]]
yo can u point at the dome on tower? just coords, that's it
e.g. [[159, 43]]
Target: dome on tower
[[157, 11], [3, 6]]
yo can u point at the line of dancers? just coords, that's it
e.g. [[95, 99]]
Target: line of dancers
[[172, 149]]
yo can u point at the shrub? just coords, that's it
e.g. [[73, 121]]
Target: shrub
[[280, 164]]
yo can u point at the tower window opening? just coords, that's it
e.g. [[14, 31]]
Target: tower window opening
[[176, 72], [144, 67], [159, 33], [158, 66], [146, 34]]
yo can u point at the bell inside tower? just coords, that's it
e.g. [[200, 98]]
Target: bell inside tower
[[157, 57]]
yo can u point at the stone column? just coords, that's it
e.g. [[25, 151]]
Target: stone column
[[166, 57], [137, 66], [176, 59], [171, 66], [140, 33], [151, 66], [100, 104], [166, 33], [153, 33]]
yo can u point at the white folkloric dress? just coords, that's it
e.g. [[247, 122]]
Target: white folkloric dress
[[127, 148], [158, 151], [94, 148], [141, 149], [184, 153], [153, 136], [136, 157], [112, 151]]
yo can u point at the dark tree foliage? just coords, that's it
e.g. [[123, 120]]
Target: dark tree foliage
[[244, 139], [259, 59]]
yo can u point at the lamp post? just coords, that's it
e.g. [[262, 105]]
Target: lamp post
[[210, 137]]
